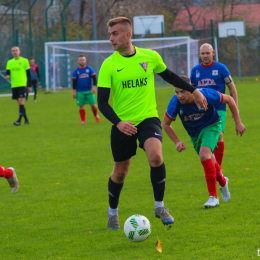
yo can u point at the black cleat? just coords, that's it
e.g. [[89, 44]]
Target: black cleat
[[27, 122], [17, 123]]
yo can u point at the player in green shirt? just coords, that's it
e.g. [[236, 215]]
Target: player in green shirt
[[129, 73], [18, 71]]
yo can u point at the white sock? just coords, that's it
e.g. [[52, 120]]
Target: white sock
[[159, 204], [112, 212]]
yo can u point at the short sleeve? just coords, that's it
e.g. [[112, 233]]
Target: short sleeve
[[8, 65], [171, 111], [213, 97], [225, 71], [74, 74], [192, 78], [105, 75], [159, 64], [92, 72], [27, 65]]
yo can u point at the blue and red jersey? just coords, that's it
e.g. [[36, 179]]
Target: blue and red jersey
[[211, 76], [83, 77], [194, 119]]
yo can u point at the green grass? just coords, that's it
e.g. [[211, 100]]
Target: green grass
[[60, 210]]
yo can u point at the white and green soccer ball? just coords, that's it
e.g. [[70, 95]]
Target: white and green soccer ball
[[137, 228]]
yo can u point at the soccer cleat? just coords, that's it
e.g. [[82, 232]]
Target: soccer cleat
[[13, 181], [113, 222], [225, 192], [164, 215], [34, 100], [212, 202], [27, 122], [82, 123], [97, 118], [17, 123]]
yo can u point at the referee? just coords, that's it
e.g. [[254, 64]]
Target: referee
[[18, 71], [129, 73]]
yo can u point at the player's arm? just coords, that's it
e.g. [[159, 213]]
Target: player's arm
[[240, 128], [38, 73], [7, 77], [178, 82], [108, 112], [74, 86], [94, 83], [171, 133], [29, 83], [233, 91]]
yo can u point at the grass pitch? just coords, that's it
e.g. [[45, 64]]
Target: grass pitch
[[60, 210]]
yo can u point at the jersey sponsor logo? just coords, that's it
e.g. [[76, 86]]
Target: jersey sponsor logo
[[134, 83], [119, 70], [144, 65], [193, 117], [206, 82], [84, 75], [214, 72], [197, 73]]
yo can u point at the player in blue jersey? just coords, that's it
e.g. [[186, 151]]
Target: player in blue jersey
[[212, 74], [204, 128], [83, 89]]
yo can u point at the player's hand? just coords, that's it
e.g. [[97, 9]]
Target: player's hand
[[240, 129], [93, 89], [74, 95], [200, 100], [29, 89], [180, 146], [7, 77], [127, 128]]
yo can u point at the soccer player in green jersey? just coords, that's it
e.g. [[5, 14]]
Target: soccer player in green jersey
[[18, 71], [129, 73]]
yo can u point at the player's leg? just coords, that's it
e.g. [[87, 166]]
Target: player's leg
[[115, 185], [18, 94], [11, 177], [81, 102], [223, 181], [92, 102], [219, 151], [34, 84], [123, 148], [150, 138], [204, 145]]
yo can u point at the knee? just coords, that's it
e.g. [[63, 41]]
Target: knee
[[119, 176], [204, 156], [156, 159]]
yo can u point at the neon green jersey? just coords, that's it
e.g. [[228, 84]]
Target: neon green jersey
[[18, 69], [131, 80]]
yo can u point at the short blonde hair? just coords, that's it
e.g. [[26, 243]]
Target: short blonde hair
[[122, 20], [186, 78]]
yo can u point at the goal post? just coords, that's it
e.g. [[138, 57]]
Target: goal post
[[180, 54]]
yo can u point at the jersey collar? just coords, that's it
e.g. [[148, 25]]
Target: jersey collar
[[83, 67], [209, 65]]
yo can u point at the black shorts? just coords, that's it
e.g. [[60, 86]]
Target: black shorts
[[124, 146], [18, 92]]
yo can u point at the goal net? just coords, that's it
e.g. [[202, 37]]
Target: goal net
[[180, 55]]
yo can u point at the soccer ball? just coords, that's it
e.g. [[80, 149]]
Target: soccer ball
[[137, 228]]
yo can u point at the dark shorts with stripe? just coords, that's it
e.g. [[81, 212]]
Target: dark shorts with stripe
[[18, 92], [124, 146]]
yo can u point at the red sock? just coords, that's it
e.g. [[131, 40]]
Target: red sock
[[210, 175], [220, 178], [95, 112], [219, 152], [7, 173], [82, 113]]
